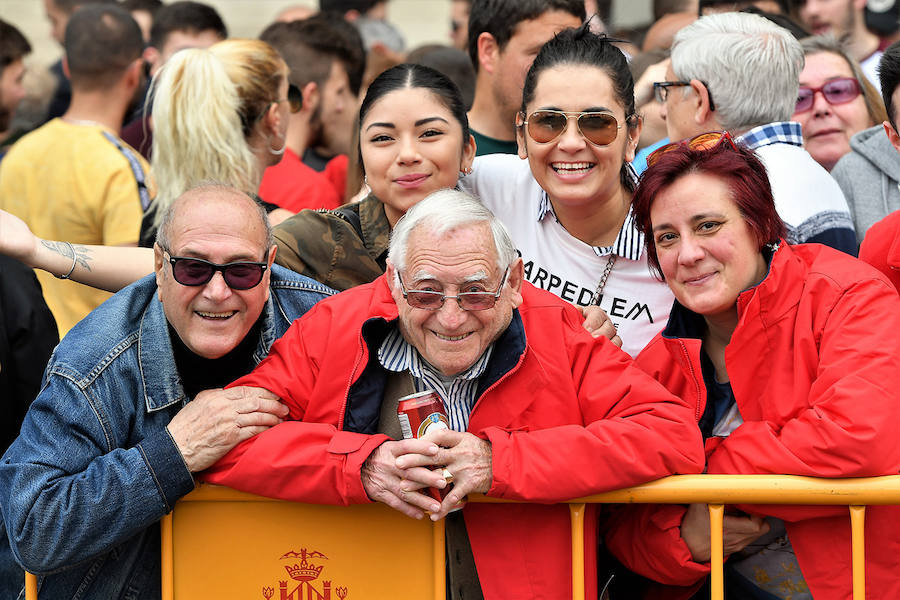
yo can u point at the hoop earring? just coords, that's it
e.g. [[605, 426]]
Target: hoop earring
[[279, 151]]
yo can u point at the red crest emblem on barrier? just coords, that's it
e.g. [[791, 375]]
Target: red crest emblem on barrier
[[306, 573]]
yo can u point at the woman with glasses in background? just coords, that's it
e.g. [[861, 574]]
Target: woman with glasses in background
[[835, 100], [567, 197], [792, 354]]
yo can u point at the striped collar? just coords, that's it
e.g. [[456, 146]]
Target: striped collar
[[781, 132], [629, 243]]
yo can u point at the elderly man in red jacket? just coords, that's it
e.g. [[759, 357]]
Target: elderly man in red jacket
[[540, 411]]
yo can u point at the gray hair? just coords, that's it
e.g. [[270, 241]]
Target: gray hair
[[750, 65], [443, 211], [164, 234]]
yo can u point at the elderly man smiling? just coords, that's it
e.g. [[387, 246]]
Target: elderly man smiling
[[540, 411]]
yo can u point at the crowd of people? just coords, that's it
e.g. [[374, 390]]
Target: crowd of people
[[613, 255]]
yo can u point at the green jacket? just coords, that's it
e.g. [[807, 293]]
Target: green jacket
[[341, 248]]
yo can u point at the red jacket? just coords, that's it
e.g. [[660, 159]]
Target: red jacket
[[814, 365], [567, 415], [881, 247]]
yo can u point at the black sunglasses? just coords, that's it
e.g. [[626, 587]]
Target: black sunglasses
[[240, 275]]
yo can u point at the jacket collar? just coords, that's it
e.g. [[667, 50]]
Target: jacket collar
[[376, 229], [156, 359]]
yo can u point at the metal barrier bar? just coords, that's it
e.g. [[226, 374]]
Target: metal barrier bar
[[716, 552], [167, 567], [715, 490], [576, 516], [858, 543], [440, 572]]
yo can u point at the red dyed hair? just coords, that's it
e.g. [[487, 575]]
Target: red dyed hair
[[738, 166]]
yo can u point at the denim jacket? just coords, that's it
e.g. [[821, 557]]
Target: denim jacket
[[94, 468]]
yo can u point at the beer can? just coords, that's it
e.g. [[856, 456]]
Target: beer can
[[420, 413]]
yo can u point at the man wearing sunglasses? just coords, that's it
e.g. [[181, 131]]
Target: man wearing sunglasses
[[121, 425], [740, 73], [538, 409]]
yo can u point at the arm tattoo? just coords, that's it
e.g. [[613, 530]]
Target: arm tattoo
[[82, 253]]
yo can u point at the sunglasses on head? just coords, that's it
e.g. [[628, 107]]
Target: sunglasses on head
[[544, 126], [704, 141], [240, 275], [429, 300], [836, 91]]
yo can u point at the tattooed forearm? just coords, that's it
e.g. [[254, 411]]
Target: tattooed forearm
[[82, 253]]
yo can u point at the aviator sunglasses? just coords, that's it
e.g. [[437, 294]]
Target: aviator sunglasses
[[704, 141], [240, 275], [836, 91], [544, 126], [429, 300]]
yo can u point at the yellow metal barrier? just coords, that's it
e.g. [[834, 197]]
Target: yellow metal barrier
[[418, 540]]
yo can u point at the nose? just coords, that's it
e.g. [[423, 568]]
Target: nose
[[571, 138], [820, 106], [690, 251], [409, 151], [451, 315], [216, 289]]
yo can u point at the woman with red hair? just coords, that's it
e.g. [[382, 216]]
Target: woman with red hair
[[792, 355]]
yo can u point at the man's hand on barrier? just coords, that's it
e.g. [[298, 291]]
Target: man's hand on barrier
[[384, 481], [737, 531], [467, 458], [597, 322], [216, 421]]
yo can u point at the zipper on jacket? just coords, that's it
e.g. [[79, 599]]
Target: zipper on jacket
[[499, 381], [690, 365], [360, 351]]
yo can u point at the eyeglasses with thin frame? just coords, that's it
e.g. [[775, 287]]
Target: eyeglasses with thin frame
[[661, 90], [704, 141], [836, 91], [544, 126], [429, 300], [238, 275]]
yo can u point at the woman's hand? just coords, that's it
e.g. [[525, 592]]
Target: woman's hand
[[16, 240], [738, 532], [597, 322]]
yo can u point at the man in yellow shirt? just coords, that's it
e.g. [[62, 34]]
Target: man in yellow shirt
[[74, 179]]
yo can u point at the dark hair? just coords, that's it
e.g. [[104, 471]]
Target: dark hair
[[192, 17], [889, 76], [70, 6], [101, 41], [735, 5], [310, 46], [501, 17], [150, 6], [663, 7], [737, 165], [782, 20], [13, 45], [412, 76], [452, 62], [343, 6], [582, 47]]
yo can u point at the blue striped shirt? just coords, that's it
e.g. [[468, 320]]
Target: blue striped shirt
[[629, 242], [456, 392]]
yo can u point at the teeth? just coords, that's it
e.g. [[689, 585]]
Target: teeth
[[210, 315], [572, 167], [450, 338]]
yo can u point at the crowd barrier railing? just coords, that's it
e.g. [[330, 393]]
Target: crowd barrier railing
[[376, 551]]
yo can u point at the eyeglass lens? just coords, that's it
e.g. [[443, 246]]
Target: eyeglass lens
[[547, 125], [238, 275], [836, 91], [467, 300]]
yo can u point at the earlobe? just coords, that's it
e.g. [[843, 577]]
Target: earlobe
[[487, 52], [892, 135], [520, 136]]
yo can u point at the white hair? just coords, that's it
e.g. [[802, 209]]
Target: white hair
[[750, 65], [442, 212]]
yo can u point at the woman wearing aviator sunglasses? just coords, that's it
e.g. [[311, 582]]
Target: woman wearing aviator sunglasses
[[567, 197], [792, 355], [835, 100]]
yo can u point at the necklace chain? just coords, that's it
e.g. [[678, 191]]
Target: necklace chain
[[602, 284]]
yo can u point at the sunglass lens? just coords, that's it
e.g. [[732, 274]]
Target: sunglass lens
[[598, 128], [804, 99], [242, 276], [840, 91], [425, 300], [480, 301], [192, 272], [545, 126]]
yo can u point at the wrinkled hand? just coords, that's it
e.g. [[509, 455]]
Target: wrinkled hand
[[597, 322], [737, 531], [466, 456], [218, 420], [385, 482], [16, 240]]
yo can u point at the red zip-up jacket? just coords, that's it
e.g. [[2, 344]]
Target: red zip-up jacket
[[814, 364], [567, 415]]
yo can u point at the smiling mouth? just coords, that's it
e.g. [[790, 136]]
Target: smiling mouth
[[698, 280], [451, 338], [215, 316], [410, 180], [574, 168]]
